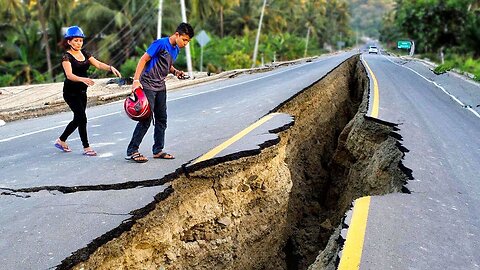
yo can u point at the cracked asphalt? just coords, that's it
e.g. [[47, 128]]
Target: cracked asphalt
[[55, 203]]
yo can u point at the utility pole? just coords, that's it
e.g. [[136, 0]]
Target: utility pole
[[159, 22], [255, 50], [187, 48]]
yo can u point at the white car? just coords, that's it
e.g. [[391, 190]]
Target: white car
[[372, 49]]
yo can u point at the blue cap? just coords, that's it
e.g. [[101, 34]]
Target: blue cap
[[74, 31]]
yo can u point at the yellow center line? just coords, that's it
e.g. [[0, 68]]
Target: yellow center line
[[235, 138], [376, 96], [352, 250]]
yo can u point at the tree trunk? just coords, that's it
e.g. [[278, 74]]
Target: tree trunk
[[45, 38], [221, 21]]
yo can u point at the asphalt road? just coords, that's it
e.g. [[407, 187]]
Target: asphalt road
[[39, 229], [437, 226]]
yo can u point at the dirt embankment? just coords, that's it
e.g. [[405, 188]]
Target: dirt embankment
[[275, 210]]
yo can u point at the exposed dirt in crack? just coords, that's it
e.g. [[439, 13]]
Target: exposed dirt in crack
[[274, 210]]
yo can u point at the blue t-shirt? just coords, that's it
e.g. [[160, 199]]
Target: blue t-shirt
[[162, 54]]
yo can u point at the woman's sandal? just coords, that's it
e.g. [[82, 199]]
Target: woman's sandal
[[163, 155], [64, 147], [137, 157]]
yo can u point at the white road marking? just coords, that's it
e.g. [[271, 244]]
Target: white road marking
[[98, 145], [240, 83], [50, 128], [439, 86], [108, 154], [474, 112]]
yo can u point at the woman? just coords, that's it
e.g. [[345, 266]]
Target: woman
[[75, 63]]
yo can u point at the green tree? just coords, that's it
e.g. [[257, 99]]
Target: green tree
[[115, 27], [337, 26], [242, 19], [11, 10], [50, 9], [471, 36], [210, 14], [367, 15], [24, 60], [433, 24]]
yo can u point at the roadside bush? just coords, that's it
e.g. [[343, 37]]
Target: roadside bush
[[462, 63], [472, 66], [128, 68], [39, 77], [6, 80], [237, 52], [237, 60], [440, 69]]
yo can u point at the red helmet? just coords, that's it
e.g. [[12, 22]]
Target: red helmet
[[136, 105]]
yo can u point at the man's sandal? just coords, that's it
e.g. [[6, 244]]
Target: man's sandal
[[137, 157], [163, 155]]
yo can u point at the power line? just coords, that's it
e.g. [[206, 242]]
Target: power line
[[144, 19], [108, 24], [101, 31], [138, 13], [138, 33]]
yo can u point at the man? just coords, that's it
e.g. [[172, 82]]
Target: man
[[153, 67]]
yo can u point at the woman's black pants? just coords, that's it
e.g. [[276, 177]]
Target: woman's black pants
[[78, 104]]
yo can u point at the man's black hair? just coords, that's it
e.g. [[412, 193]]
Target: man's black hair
[[185, 28]]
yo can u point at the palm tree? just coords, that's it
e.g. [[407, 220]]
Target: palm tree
[[242, 19], [50, 9], [337, 22], [114, 18], [26, 59], [221, 6], [11, 10], [202, 12]]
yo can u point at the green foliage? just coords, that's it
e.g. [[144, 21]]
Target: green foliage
[[440, 69], [449, 27], [39, 77], [237, 52], [6, 80], [462, 63], [116, 29], [237, 60], [97, 73], [434, 25], [367, 15], [285, 47], [471, 36], [469, 65], [128, 68], [472, 66]]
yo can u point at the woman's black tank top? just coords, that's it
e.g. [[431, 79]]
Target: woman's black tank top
[[79, 68]]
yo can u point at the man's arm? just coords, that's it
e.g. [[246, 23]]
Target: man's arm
[[178, 73], [138, 71]]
